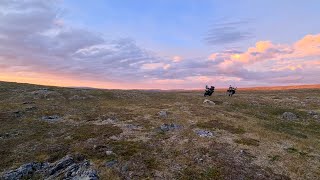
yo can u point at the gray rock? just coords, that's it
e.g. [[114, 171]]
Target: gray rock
[[207, 101], [31, 108], [52, 118], [289, 116], [61, 164], [44, 94], [9, 135], [66, 168], [312, 113], [168, 127], [23, 171], [108, 153], [28, 102], [163, 114], [77, 97], [111, 163], [17, 114], [87, 174], [124, 168], [131, 126], [204, 133]]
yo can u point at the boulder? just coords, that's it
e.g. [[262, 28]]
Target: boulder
[[289, 116], [207, 101]]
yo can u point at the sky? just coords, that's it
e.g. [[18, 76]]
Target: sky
[[164, 44]]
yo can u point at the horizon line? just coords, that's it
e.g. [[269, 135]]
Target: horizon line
[[278, 87]]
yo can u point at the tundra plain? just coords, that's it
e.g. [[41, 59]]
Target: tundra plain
[[136, 134]]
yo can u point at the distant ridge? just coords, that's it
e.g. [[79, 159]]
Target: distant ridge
[[309, 86], [261, 88]]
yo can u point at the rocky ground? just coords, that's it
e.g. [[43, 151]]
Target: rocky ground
[[65, 133]]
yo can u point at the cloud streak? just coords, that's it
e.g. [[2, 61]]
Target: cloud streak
[[228, 32]]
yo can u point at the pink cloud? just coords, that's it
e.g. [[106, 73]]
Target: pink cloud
[[308, 46], [154, 66], [176, 59]]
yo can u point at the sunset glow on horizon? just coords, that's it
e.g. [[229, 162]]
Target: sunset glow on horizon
[[159, 44]]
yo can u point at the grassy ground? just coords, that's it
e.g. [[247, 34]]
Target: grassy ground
[[250, 139]]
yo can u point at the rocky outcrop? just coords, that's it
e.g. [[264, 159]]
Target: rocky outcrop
[[24, 171], [65, 168]]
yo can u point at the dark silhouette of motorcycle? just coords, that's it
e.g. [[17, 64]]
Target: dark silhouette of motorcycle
[[208, 91], [231, 91]]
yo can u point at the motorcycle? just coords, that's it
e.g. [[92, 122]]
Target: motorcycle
[[209, 91], [231, 92]]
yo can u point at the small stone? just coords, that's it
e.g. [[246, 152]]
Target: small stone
[[52, 118], [131, 126], [111, 163], [31, 108], [168, 127], [18, 114], [108, 153], [124, 168], [204, 133], [289, 116], [76, 97], [163, 114], [312, 113], [28, 102], [207, 101]]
